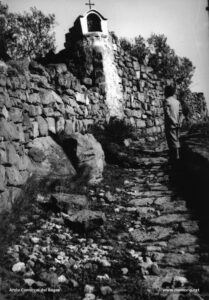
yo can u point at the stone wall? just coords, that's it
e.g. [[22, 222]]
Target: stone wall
[[93, 82], [143, 94], [34, 105]]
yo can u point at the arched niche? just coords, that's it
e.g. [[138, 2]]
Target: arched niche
[[93, 23]]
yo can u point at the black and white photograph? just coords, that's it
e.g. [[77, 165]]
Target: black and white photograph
[[104, 150]]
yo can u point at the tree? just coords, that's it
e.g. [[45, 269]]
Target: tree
[[3, 13], [165, 62], [140, 49], [29, 34]]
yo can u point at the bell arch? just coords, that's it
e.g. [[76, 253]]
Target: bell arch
[[94, 23]]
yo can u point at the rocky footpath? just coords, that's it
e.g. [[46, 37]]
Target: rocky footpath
[[131, 237]]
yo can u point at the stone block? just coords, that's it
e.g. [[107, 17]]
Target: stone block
[[69, 127], [81, 98], [23, 163], [49, 97], [35, 130], [16, 115], [60, 125], [128, 64], [65, 80], [8, 131], [14, 194], [24, 174], [2, 178], [5, 203], [4, 112], [51, 124], [48, 111], [42, 126], [136, 66], [3, 157], [76, 86], [13, 176], [133, 113], [138, 74], [11, 154], [3, 80], [32, 111], [37, 155], [70, 111], [149, 123], [14, 83], [149, 131], [34, 98], [41, 81], [21, 133], [87, 81], [140, 124], [85, 220]]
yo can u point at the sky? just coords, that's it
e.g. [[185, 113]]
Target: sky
[[184, 22]]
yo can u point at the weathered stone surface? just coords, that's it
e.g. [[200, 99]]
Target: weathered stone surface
[[4, 112], [60, 125], [169, 219], [36, 154], [48, 111], [141, 202], [21, 135], [12, 156], [159, 233], [5, 202], [43, 126], [55, 159], [67, 202], [177, 259], [51, 125], [49, 97], [81, 98], [182, 240], [34, 98], [35, 131], [85, 220], [2, 178], [69, 127], [177, 206], [189, 226], [8, 131], [23, 162], [13, 176], [3, 156], [89, 155]]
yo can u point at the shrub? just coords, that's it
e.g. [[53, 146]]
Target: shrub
[[116, 131]]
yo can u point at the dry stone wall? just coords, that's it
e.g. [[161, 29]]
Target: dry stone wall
[[34, 105], [143, 95], [40, 101], [132, 91]]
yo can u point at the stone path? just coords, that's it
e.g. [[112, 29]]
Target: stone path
[[149, 247], [164, 228]]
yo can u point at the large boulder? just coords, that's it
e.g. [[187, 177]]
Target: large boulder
[[48, 157], [86, 154], [84, 220]]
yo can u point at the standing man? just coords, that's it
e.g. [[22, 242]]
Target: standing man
[[173, 115]]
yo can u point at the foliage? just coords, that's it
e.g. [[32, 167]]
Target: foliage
[[116, 131], [29, 34], [3, 11], [156, 53], [126, 45], [167, 64], [140, 49]]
